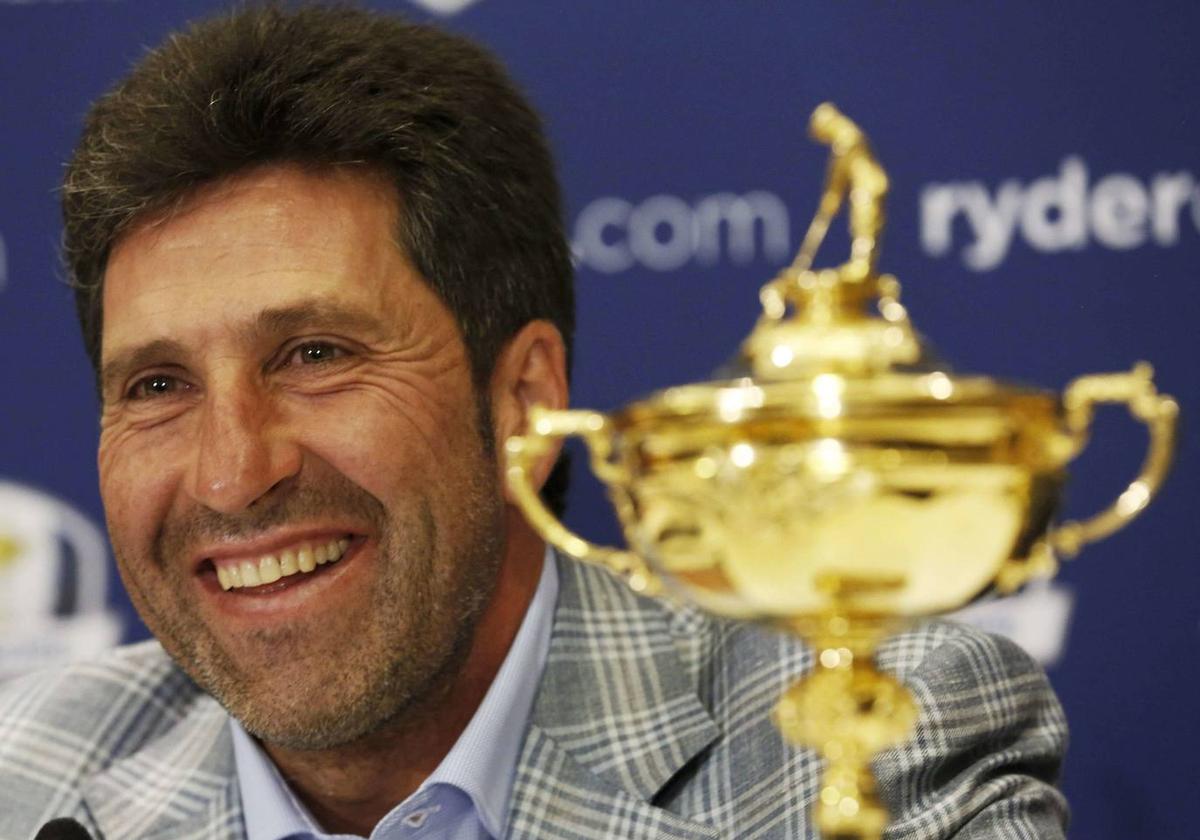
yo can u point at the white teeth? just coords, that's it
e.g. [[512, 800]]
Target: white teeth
[[268, 569], [250, 574], [287, 563], [298, 561], [306, 562], [271, 568]]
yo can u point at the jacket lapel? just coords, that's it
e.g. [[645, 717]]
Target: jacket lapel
[[617, 716], [182, 785]]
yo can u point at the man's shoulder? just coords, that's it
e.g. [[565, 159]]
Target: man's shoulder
[[715, 650], [939, 659], [87, 694], [984, 755], [68, 722], [125, 743], [970, 685]]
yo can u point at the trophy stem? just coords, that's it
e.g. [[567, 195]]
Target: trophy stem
[[848, 711]]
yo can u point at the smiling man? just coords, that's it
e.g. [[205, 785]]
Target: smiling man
[[301, 485], [320, 270]]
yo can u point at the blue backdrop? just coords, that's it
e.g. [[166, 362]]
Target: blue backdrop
[[1045, 222]]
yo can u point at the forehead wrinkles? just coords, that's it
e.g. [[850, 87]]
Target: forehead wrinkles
[[284, 186], [93, 278], [326, 230], [293, 218]]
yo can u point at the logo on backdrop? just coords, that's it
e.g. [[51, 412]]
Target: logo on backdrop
[[1065, 211], [53, 582], [444, 7], [666, 232]]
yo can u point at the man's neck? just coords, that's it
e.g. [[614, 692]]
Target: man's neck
[[350, 788]]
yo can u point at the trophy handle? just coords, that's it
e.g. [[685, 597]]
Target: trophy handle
[[545, 427], [1159, 413]]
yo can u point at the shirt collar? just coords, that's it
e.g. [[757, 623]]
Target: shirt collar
[[482, 763]]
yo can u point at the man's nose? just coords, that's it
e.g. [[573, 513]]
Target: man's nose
[[243, 452]]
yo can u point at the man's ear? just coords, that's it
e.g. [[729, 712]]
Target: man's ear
[[531, 370]]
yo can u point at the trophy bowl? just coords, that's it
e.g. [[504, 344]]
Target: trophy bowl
[[843, 483]]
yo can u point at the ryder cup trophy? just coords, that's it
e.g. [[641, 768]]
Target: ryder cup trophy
[[844, 483]]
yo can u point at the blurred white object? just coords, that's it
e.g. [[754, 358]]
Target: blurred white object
[[53, 583], [444, 7], [1037, 619]]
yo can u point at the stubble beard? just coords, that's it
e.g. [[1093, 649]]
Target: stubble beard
[[319, 692]]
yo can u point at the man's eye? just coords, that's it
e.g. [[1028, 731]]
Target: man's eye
[[158, 385], [314, 353]]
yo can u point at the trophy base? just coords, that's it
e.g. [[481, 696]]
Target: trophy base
[[848, 711]]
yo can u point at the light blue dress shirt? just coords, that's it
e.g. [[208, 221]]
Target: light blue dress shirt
[[466, 797]]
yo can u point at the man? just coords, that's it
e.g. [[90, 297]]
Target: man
[[321, 274]]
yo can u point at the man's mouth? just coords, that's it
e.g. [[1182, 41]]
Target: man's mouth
[[301, 559]]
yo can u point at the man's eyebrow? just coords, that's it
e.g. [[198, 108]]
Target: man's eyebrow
[[114, 371], [314, 315]]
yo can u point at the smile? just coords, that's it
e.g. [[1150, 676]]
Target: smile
[[300, 559]]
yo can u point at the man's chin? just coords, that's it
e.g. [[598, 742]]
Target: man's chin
[[311, 734], [304, 705], [308, 721]]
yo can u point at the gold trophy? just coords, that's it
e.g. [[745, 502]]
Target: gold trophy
[[845, 484]]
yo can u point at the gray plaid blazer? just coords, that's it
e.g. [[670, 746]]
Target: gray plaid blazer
[[651, 722]]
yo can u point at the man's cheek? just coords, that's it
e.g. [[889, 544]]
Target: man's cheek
[[366, 453], [122, 508], [373, 422], [137, 500]]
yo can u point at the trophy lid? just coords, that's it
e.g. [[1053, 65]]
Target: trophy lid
[[835, 342]]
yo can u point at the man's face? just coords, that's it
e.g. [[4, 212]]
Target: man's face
[[279, 384]]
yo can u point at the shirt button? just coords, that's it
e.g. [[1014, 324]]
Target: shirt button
[[416, 819]]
